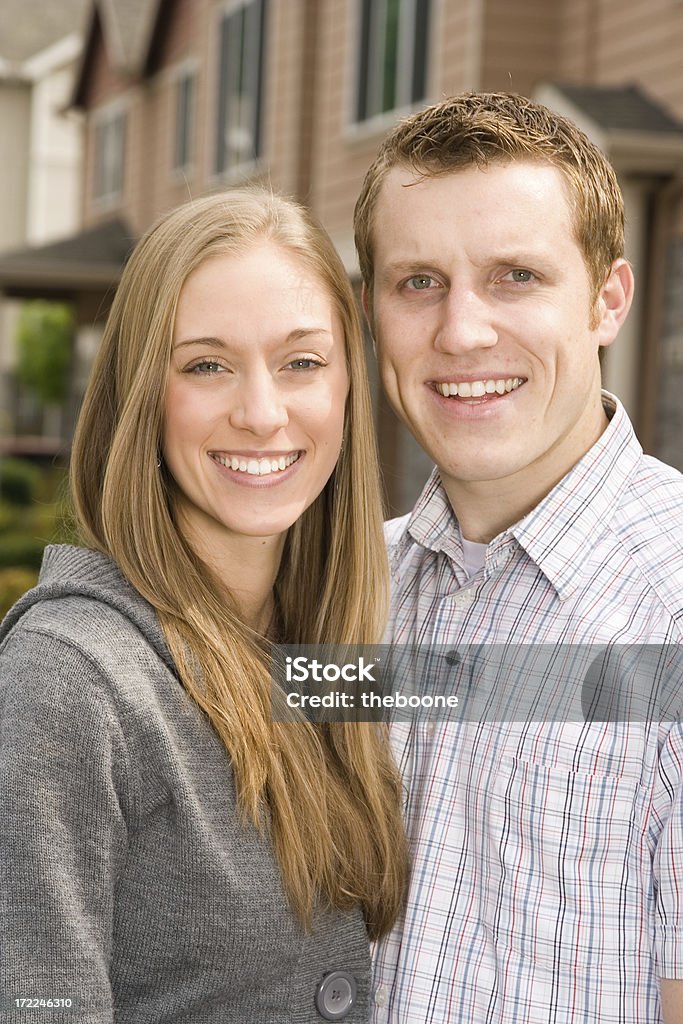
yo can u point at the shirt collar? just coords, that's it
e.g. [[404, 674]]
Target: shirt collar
[[432, 524], [564, 525], [557, 533]]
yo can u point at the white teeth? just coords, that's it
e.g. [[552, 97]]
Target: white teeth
[[257, 467], [479, 388]]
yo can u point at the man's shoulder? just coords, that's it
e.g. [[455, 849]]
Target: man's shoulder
[[650, 506], [647, 523]]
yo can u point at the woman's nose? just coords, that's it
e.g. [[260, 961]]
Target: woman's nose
[[259, 405]]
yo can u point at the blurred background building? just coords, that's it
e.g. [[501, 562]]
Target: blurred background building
[[170, 99]]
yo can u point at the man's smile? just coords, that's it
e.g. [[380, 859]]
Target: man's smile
[[478, 388]]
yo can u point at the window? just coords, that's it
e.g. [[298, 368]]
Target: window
[[184, 121], [394, 39], [110, 138], [240, 95]]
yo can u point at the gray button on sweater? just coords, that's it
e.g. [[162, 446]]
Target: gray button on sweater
[[127, 884]]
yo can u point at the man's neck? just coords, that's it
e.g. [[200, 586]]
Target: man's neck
[[486, 508]]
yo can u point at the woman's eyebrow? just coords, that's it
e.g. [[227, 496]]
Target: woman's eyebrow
[[201, 341], [298, 334]]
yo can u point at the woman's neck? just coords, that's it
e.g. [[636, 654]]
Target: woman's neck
[[248, 571], [246, 566]]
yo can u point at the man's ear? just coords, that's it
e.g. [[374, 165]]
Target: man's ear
[[614, 302]]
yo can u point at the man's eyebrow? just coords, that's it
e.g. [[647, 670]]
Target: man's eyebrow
[[406, 266], [298, 334], [510, 257]]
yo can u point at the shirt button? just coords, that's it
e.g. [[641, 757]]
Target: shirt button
[[464, 600], [335, 995], [381, 996]]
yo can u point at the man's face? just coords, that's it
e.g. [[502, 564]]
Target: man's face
[[486, 325]]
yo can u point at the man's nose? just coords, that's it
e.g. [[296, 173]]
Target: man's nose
[[466, 322], [260, 407]]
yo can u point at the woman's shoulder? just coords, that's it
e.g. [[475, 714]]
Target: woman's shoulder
[[83, 599], [83, 628]]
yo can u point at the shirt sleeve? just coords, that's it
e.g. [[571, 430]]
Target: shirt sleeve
[[63, 786], [667, 818]]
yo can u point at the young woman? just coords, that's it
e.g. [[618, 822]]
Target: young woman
[[169, 852]]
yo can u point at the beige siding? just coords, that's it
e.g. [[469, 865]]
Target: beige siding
[[644, 42], [457, 47], [103, 81], [283, 95], [15, 122], [624, 41], [520, 44]]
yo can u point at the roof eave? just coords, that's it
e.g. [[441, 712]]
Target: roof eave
[[658, 153], [23, 279]]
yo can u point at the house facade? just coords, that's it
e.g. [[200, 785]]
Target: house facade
[[40, 170], [184, 97]]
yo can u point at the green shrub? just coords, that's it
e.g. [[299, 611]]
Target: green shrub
[[21, 549], [13, 583], [44, 349], [18, 481], [9, 516], [52, 523]]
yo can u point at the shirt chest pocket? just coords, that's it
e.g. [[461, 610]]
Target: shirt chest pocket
[[562, 854]]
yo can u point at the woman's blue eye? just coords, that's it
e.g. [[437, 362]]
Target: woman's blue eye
[[303, 364], [520, 276], [208, 366]]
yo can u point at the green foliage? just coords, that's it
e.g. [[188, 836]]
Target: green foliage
[[21, 548], [18, 481], [9, 516], [13, 583], [26, 529], [44, 349]]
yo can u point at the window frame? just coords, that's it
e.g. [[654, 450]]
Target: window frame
[[104, 122], [222, 167], [366, 115], [187, 71]]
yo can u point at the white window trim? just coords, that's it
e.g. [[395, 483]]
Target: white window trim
[[190, 66], [247, 169], [378, 125], [120, 107]]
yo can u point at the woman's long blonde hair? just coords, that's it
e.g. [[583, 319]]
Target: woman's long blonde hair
[[330, 794]]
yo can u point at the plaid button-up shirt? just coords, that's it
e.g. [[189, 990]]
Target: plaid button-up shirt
[[547, 883]]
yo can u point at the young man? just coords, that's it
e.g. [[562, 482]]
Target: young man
[[548, 854]]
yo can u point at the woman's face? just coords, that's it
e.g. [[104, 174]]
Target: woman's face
[[255, 398]]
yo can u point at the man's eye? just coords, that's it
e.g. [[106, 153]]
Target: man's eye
[[419, 282], [520, 276]]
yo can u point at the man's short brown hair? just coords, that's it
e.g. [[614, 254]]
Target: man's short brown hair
[[478, 129]]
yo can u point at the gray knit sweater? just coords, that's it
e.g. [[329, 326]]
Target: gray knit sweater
[[127, 883]]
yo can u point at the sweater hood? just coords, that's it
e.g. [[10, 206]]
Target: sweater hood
[[78, 572]]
